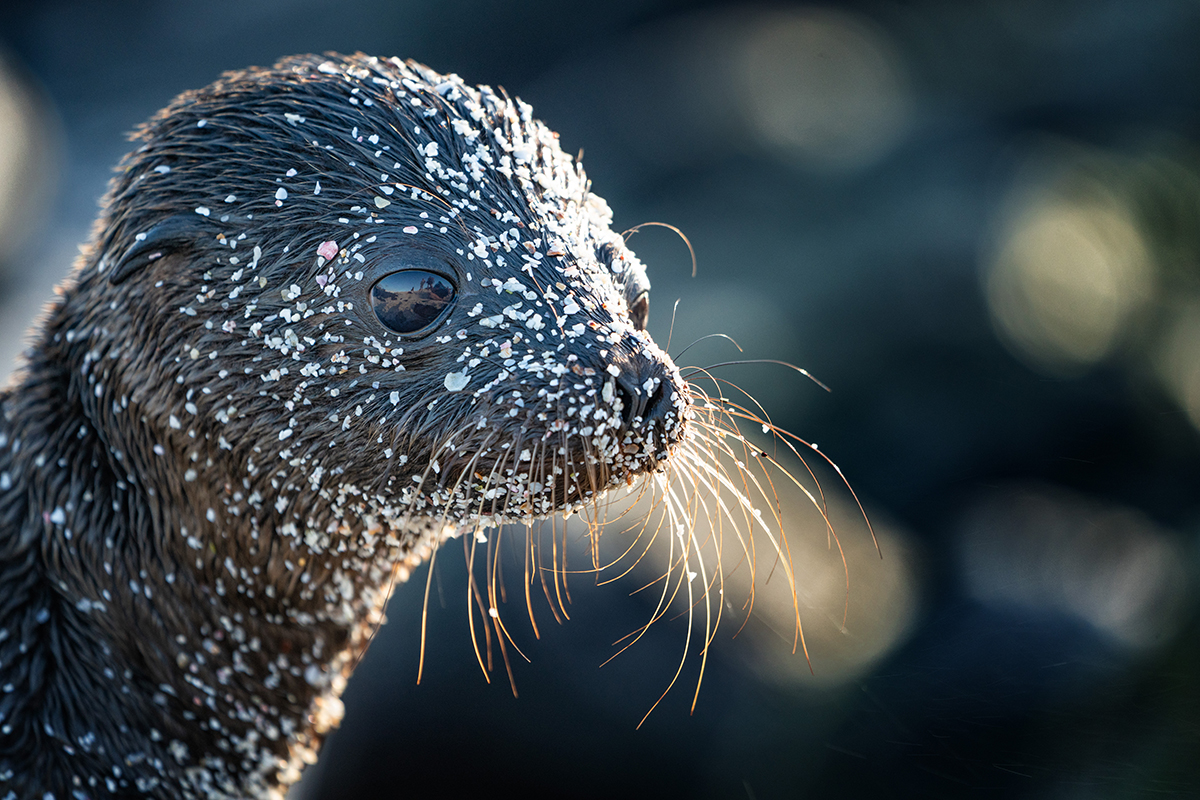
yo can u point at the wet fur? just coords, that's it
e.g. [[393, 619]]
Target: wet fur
[[196, 535]]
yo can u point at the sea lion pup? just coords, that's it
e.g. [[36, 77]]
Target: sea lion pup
[[332, 313]]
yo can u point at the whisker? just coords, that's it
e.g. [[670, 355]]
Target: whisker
[[669, 227], [671, 330], [785, 435], [711, 511], [425, 614], [787, 364], [679, 355]]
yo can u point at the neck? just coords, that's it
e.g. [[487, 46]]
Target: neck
[[145, 651]]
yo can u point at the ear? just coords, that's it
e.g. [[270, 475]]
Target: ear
[[173, 234]]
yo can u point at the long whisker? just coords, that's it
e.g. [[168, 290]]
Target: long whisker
[[704, 514], [801, 370], [669, 227], [701, 339]]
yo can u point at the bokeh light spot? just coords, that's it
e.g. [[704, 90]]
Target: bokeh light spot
[[1071, 271], [824, 87], [853, 612], [28, 142], [1054, 552], [1178, 361]]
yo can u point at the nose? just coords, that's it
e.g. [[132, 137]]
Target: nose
[[648, 394]]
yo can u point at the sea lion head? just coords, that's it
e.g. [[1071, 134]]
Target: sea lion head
[[385, 287]]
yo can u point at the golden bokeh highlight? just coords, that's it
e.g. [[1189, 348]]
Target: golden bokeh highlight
[[846, 628], [1071, 272], [29, 141]]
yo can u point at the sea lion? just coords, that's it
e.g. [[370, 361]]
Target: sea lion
[[332, 313]]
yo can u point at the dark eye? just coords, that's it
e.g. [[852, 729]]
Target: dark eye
[[408, 302], [639, 312]]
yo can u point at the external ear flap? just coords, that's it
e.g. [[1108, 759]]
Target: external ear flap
[[170, 235]]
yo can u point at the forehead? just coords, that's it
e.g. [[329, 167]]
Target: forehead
[[362, 141]]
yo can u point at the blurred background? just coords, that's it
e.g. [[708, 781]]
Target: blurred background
[[978, 223]]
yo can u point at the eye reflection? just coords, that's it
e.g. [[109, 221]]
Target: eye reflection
[[409, 301]]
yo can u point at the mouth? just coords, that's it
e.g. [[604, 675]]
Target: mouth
[[546, 463]]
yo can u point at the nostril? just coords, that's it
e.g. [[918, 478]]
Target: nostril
[[654, 404], [632, 401]]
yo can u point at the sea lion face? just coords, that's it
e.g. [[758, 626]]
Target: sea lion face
[[411, 305]]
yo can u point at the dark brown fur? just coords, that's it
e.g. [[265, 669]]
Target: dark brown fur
[[211, 464]]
